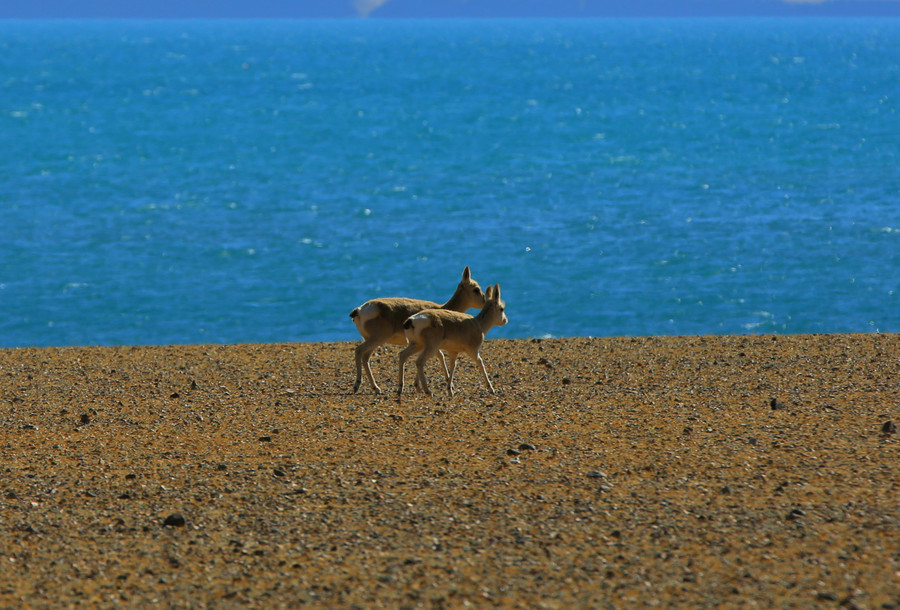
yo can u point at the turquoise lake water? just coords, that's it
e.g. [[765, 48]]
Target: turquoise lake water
[[231, 182]]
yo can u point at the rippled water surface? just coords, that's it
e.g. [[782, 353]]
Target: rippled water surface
[[193, 182]]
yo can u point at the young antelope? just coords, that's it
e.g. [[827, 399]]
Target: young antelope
[[434, 330]]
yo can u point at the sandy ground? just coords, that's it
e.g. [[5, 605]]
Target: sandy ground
[[603, 473]]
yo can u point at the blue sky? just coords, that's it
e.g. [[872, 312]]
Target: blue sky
[[354, 9]]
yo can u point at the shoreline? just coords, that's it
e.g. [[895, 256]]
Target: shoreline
[[688, 470], [490, 338]]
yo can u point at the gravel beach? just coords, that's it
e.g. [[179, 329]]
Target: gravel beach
[[739, 471]]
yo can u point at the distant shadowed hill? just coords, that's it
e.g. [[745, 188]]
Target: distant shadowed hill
[[336, 9]]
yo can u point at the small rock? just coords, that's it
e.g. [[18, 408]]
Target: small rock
[[265, 439], [27, 528], [889, 427], [175, 520], [278, 472], [776, 404], [193, 384], [221, 467], [29, 427], [596, 474], [795, 514], [85, 419], [512, 452], [130, 476], [566, 381], [849, 602], [526, 447]]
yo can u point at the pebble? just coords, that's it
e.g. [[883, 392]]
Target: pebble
[[175, 520], [596, 474], [526, 447], [85, 419], [889, 427], [795, 514], [278, 472], [512, 452], [28, 528], [776, 404], [265, 439]]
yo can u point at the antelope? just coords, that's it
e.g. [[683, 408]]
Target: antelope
[[433, 330], [380, 321]]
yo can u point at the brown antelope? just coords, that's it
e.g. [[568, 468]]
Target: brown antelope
[[380, 321], [433, 330]]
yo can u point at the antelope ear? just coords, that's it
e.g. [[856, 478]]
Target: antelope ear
[[489, 293], [466, 274], [497, 292]]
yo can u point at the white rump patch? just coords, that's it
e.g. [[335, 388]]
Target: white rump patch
[[419, 321], [367, 311]]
